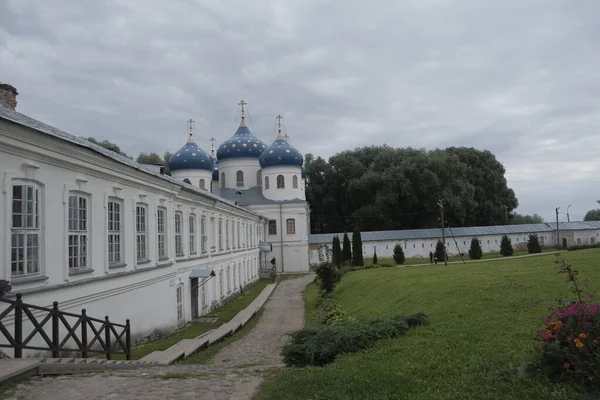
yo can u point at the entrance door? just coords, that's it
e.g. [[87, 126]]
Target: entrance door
[[194, 296], [564, 243]]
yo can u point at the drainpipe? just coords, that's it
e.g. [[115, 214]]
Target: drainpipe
[[281, 233]]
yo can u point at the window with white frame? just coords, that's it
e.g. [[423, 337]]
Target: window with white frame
[[203, 236], [239, 277], [238, 235], [202, 184], [178, 234], [26, 229], [220, 234], [258, 178], [223, 179], [213, 234], [115, 231], [141, 232], [161, 214], [243, 234], [280, 182], [220, 283], [78, 230], [266, 182], [227, 234], [295, 181], [239, 178], [179, 302], [228, 279], [192, 230], [234, 278]]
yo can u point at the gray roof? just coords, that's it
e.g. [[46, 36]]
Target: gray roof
[[251, 196], [23, 120], [435, 233]]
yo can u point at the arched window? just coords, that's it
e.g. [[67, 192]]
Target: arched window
[[186, 180], [258, 178], [239, 178], [202, 184], [266, 182], [280, 182], [223, 179], [295, 181]]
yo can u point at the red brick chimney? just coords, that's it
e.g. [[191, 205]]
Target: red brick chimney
[[8, 96]]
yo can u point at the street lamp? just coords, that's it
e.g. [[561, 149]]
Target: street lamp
[[568, 219]]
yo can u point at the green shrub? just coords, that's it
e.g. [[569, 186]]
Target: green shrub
[[440, 251], [321, 346], [399, 254], [385, 265], [331, 312], [533, 245], [329, 275], [357, 251], [346, 250], [375, 258], [506, 248], [584, 246], [475, 252]]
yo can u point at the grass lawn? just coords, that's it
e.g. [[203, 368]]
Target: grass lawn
[[225, 313], [483, 324]]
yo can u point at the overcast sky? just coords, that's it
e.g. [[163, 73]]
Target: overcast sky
[[520, 78]]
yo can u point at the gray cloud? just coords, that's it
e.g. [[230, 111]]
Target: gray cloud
[[520, 78]]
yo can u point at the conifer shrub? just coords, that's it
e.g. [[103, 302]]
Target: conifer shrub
[[533, 245], [346, 250], [440, 251], [338, 256], [328, 276], [331, 312], [506, 248], [475, 252], [375, 258], [399, 254], [321, 346], [357, 251]]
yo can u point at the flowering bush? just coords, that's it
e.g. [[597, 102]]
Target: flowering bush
[[5, 287], [570, 341]]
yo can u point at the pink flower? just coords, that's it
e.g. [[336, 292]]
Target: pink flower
[[591, 296], [566, 365]]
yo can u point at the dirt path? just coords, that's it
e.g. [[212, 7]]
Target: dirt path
[[234, 374]]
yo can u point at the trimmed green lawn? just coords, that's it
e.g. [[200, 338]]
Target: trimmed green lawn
[[484, 317], [224, 314]]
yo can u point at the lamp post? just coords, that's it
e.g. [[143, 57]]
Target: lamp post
[[568, 219]]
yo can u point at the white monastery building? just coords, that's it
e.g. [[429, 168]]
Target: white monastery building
[[92, 229]]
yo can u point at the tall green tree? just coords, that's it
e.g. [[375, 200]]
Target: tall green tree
[[518, 219], [475, 252], [337, 252], [506, 248], [357, 251], [346, 250], [108, 145], [440, 251], [399, 257], [533, 245], [375, 261], [592, 215]]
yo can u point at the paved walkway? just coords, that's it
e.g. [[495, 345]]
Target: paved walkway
[[234, 374]]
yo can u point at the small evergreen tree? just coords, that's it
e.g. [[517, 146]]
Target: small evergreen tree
[[337, 252], [346, 250], [375, 257], [440, 251], [399, 254], [357, 253], [506, 248], [533, 245], [475, 252]]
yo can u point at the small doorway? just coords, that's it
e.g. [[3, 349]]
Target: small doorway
[[564, 244], [194, 298]]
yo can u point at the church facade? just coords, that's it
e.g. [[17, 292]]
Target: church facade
[[93, 230]]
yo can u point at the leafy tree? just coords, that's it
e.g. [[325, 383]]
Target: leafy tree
[[519, 219], [475, 252], [329, 275], [337, 252], [346, 250], [150, 158], [108, 145], [506, 248], [357, 252], [533, 245], [592, 215], [375, 257], [399, 254], [440, 251], [367, 186]]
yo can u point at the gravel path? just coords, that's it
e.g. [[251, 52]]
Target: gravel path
[[235, 372]]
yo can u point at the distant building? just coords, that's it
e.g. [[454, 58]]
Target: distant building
[[419, 242]]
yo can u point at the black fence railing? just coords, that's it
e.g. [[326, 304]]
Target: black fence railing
[[91, 335]]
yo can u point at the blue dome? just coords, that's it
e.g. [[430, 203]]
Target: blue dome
[[280, 153], [191, 156], [215, 171], [241, 145]]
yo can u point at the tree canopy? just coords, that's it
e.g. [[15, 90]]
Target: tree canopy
[[383, 188], [108, 145], [517, 219], [592, 215]]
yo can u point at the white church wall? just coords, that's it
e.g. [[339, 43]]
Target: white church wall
[[295, 245], [195, 177], [288, 192], [141, 290], [230, 167]]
